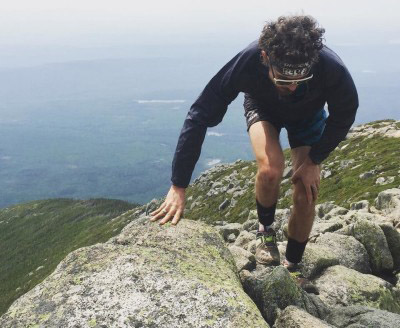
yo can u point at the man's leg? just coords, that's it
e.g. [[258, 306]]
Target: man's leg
[[269, 156], [301, 220], [300, 224], [270, 160]]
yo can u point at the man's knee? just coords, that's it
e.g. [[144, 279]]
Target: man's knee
[[300, 196], [270, 174]]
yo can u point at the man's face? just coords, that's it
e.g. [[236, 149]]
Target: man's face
[[283, 90]]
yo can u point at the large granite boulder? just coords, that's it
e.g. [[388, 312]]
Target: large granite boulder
[[357, 316], [348, 250], [294, 317], [374, 241], [147, 276], [341, 286], [388, 201], [273, 289]]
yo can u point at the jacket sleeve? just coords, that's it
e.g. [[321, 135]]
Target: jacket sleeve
[[342, 102], [207, 111]]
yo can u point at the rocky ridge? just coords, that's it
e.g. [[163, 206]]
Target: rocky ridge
[[203, 273]]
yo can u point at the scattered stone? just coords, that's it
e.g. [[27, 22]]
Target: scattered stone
[[231, 238], [230, 228], [367, 175], [288, 192], [244, 239], [294, 317], [346, 163], [325, 174], [244, 259], [326, 226], [224, 204], [250, 225], [322, 209], [380, 181], [388, 201], [287, 172], [362, 205]]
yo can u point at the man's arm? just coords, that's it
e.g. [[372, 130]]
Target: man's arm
[[342, 102], [207, 111]]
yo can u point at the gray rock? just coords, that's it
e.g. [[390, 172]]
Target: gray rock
[[337, 211], [325, 174], [380, 181], [251, 224], [346, 163], [324, 208], [244, 239], [362, 205], [253, 215], [220, 223], [273, 289], [287, 172], [288, 192], [357, 316], [244, 259], [316, 258], [230, 228], [326, 226], [393, 240], [231, 238], [388, 201], [368, 174], [224, 204], [159, 276], [294, 317], [251, 247], [373, 238], [348, 250], [342, 286]]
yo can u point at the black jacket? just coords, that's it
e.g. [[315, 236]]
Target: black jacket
[[331, 84]]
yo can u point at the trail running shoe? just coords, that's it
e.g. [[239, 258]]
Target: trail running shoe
[[267, 252], [300, 280]]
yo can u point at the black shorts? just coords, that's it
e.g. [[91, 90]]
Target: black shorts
[[301, 133]]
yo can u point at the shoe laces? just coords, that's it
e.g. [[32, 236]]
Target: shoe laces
[[267, 237]]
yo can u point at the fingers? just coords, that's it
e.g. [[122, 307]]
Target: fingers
[[177, 216], [173, 213], [315, 192], [309, 194]]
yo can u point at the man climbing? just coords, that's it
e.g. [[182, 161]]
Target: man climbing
[[287, 76]]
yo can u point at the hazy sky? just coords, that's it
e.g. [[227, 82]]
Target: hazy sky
[[99, 22]]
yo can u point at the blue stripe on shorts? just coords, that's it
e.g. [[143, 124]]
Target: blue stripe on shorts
[[308, 131]]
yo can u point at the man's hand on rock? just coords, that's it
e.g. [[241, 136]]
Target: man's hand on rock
[[172, 208], [309, 174]]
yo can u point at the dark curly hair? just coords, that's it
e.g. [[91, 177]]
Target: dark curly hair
[[292, 40]]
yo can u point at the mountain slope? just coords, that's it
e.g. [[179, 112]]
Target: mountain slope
[[36, 236], [226, 191]]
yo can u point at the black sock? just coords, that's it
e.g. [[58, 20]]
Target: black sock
[[266, 215], [295, 250]]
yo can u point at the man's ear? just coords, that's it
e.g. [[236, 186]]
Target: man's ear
[[265, 57], [264, 54]]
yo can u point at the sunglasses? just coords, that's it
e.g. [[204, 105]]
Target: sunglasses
[[281, 82]]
